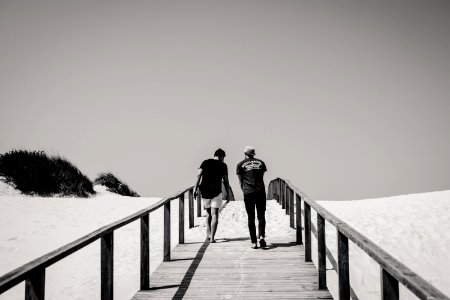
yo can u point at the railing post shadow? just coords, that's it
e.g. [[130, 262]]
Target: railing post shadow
[[35, 286], [389, 286], [145, 253], [307, 232], [322, 254], [191, 208], [107, 270], [181, 220], [343, 267], [166, 231], [298, 208]]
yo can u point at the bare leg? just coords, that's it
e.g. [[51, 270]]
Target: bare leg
[[214, 223], [208, 222]]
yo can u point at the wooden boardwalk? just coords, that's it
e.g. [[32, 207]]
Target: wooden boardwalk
[[230, 269]]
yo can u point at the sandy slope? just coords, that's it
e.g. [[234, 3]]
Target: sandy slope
[[413, 228]]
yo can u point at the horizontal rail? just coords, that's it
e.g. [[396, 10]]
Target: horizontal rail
[[20, 274], [416, 284]]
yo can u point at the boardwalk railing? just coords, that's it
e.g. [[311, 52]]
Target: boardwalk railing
[[33, 273], [391, 270]]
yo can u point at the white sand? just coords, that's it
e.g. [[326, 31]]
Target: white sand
[[413, 228], [33, 226]]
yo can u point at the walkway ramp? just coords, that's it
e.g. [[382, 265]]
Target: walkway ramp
[[230, 269]]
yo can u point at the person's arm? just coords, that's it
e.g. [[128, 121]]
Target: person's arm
[[240, 180], [199, 178], [227, 186]]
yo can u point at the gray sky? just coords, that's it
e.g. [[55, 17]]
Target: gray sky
[[347, 99]]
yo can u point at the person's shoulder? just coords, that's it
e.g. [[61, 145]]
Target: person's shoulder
[[206, 162], [242, 161]]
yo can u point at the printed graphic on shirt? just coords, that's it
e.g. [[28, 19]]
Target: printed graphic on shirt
[[252, 165]]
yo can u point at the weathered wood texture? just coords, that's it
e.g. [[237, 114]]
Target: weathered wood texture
[[191, 208], [35, 286], [298, 213], [404, 275], [145, 252], [389, 286], [107, 269], [181, 220], [321, 252], [166, 232], [230, 269], [307, 232]]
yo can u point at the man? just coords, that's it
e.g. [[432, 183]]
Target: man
[[251, 172], [209, 178]]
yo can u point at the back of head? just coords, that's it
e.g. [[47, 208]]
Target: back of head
[[219, 153], [250, 151]]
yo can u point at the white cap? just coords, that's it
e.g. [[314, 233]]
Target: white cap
[[249, 150]]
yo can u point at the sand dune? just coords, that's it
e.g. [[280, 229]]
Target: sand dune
[[413, 228]]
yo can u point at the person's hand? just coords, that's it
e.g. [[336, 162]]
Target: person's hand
[[195, 193]]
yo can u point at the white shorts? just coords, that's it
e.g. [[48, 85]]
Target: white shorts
[[215, 202]]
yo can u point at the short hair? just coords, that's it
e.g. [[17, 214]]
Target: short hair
[[219, 153]]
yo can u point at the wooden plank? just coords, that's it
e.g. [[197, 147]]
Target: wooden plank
[[307, 232], [230, 269], [145, 253], [291, 208], [321, 249], [181, 220], [298, 215], [389, 286], [166, 255], [21, 273], [35, 286], [107, 268], [343, 267], [199, 205], [191, 208], [416, 284]]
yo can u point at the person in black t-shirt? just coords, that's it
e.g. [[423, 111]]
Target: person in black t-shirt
[[251, 177], [209, 178]]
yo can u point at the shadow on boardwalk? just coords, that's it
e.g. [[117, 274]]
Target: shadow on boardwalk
[[230, 269]]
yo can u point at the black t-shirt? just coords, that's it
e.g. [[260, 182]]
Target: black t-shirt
[[213, 172], [252, 172]]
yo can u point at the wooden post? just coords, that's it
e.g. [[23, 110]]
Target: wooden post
[[288, 201], [298, 208], [291, 207], [199, 205], [322, 254], [278, 191], [167, 231], [343, 267], [35, 286], [181, 220], [191, 208], [145, 253], [389, 286], [307, 232], [107, 270]]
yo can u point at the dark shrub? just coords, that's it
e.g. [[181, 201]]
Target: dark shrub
[[35, 173], [113, 184]]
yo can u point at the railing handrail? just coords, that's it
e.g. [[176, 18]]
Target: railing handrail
[[19, 274], [415, 283]]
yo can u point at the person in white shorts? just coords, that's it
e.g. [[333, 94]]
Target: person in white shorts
[[209, 179]]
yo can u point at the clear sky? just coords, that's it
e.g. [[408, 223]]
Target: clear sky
[[347, 99]]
